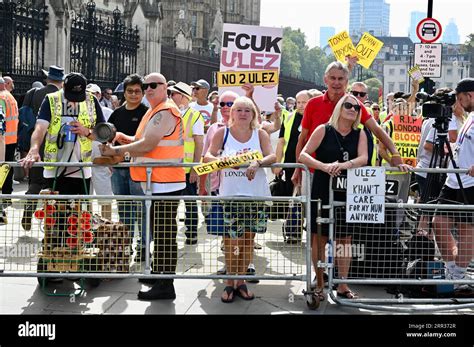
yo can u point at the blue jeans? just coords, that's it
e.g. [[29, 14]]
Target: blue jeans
[[191, 221], [129, 211]]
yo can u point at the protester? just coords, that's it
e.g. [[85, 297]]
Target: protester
[[459, 254], [201, 104], [339, 146], [159, 138], [241, 218]]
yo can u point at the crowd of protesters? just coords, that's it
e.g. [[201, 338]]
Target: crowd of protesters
[[158, 120]]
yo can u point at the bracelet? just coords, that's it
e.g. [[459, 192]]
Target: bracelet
[[90, 133], [352, 163], [259, 162]]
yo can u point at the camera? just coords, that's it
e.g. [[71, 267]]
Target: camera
[[437, 105]]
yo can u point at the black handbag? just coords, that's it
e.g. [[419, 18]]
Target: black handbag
[[279, 209]]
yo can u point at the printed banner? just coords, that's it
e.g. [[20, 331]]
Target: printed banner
[[367, 49], [366, 195], [237, 160], [342, 46], [232, 78], [252, 48], [407, 136]]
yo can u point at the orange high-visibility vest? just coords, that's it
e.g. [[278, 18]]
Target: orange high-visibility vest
[[170, 149], [11, 118]]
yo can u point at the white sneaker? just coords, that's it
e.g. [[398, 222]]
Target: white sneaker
[[16, 182]]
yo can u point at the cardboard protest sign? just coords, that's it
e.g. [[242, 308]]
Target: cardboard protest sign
[[367, 49], [342, 46], [416, 74], [407, 136], [237, 160], [366, 195], [249, 48]]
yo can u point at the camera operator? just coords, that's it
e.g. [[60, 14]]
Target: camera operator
[[458, 255]]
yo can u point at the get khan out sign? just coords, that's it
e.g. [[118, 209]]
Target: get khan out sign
[[366, 195], [251, 54]]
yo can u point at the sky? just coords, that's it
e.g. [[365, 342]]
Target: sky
[[309, 15]]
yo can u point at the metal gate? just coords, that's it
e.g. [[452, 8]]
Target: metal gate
[[103, 49], [22, 25]]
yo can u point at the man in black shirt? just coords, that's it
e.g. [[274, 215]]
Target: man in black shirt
[[126, 119]]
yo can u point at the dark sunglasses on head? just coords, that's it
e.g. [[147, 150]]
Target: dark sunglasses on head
[[361, 94], [228, 103], [348, 105], [152, 85]]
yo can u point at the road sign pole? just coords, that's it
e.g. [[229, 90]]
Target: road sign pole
[[430, 9]]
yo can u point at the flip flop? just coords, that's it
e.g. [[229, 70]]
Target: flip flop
[[348, 294], [229, 290], [243, 288]]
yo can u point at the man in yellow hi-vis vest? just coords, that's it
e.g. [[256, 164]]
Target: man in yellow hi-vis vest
[[65, 121], [193, 121]]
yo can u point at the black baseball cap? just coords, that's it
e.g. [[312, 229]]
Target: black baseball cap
[[75, 87], [465, 85]]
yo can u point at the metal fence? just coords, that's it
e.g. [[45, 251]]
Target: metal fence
[[68, 237], [407, 254]]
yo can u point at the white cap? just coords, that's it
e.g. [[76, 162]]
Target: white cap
[[94, 88]]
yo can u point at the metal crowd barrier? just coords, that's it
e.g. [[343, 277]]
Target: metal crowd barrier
[[403, 255], [68, 238]]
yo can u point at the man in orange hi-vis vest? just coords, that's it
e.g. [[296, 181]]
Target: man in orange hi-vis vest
[[159, 138], [9, 134]]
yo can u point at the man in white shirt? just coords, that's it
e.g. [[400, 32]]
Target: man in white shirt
[[200, 91], [459, 254]]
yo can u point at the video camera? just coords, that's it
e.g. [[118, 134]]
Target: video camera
[[437, 105]]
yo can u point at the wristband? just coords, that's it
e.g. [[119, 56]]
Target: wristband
[[396, 155]]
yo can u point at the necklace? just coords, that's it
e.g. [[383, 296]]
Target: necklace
[[345, 153]]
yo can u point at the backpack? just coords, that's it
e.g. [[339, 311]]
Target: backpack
[[26, 123]]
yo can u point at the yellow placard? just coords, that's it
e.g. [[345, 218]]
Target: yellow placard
[[342, 46], [4, 170], [239, 78], [367, 49], [416, 74], [237, 160]]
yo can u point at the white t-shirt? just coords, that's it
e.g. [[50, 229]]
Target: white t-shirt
[[463, 155], [206, 111], [455, 123], [234, 182], [198, 126], [428, 133]]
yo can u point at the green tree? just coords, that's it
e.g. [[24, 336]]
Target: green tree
[[469, 48], [373, 85], [299, 61]]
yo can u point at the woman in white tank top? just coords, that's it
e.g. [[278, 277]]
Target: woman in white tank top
[[241, 219]]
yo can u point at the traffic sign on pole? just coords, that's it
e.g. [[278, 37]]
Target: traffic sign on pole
[[429, 30]]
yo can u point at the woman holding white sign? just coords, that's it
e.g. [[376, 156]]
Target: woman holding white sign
[[339, 145], [241, 218]]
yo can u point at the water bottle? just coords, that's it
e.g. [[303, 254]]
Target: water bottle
[[3, 124]]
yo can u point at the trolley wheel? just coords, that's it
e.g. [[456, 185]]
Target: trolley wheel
[[313, 302], [41, 267]]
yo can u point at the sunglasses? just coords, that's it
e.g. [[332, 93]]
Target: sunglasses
[[361, 94], [228, 103], [375, 108], [152, 85], [348, 105], [196, 88]]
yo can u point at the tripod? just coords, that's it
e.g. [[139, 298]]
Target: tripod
[[435, 181]]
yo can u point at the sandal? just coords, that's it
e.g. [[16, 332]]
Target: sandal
[[229, 290], [243, 289], [348, 294], [320, 294]]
